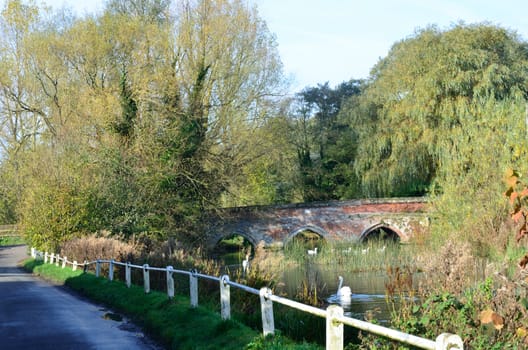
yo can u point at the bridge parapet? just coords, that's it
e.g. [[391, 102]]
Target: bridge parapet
[[351, 220]]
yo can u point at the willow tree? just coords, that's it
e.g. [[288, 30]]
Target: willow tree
[[445, 107], [421, 91]]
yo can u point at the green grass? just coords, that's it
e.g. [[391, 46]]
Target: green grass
[[172, 322], [11, 240]]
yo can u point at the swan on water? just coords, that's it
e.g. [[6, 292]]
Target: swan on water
[[343, 293]]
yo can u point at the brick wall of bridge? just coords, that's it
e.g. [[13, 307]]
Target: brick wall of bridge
[[336, 220]]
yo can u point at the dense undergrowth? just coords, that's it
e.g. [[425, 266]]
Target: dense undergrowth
[[486, 304]]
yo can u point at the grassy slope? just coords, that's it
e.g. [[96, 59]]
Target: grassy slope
[[173, 322]]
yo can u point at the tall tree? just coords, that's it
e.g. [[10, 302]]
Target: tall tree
[[420, 92], [150, 10], [444, 114], [142, 117], [325, 143], [22, 116], [217, 89]]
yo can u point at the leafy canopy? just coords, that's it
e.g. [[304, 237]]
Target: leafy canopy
[[429, 85]]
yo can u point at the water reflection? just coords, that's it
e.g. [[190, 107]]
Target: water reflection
[[363, 306], [367, 297]]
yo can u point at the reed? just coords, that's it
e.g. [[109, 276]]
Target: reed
[[372, 256]]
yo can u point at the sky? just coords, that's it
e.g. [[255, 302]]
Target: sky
[[337, 40]]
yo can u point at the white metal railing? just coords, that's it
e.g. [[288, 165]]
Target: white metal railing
[[335, 319]]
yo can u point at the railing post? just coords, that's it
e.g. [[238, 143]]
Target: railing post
[[146, 278], [74, 268], [128, 275], [97, 268], [33, 254], [64, 262], [266, 307], [170, 282], [85, 266], [111, 270], [225, 297], [446, 341], [45, 257], [57, 258], [193, 286], [51, 258], [334, 329]]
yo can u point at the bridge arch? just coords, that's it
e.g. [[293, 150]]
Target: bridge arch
[[213, 244], [351, 220], [315, 229], [376, 231]]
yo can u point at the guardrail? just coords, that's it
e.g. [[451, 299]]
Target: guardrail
[[335, 319]]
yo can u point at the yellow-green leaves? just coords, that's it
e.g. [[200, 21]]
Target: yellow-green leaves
[[153, 113], [434, 91]]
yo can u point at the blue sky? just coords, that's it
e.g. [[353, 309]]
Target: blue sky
[[338, 40]]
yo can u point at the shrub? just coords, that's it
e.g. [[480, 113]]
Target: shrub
[[95, 247]]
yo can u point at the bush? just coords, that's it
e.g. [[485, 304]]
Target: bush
[[92, 247]]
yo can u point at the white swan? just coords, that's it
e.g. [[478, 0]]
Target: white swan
[[343, 293], [245, 264], [312, 252]]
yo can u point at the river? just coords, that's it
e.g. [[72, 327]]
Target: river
[[367, 299], [308, 277]]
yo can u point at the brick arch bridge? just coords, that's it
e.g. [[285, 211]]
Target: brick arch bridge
[[352, 220]]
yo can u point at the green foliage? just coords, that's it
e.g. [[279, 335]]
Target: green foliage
[[489, 139], [125, 126], [466, 316], [135, 120], [54, 209], [140, 119], [430, 99], [11, 240], [9, 190], [277, 342], [269, 169], [444, 114], [326, 145]]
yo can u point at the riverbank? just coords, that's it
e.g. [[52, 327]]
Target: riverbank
[[171, 322]]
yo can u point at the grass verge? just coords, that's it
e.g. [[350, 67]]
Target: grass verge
[[171, 322], [11, 240]]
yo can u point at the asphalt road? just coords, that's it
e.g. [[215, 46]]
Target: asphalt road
[[37, 315]]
